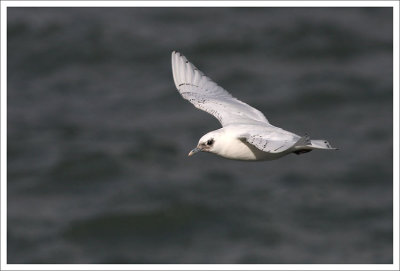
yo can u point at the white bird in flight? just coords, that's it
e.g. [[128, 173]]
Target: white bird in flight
[[245, 134]]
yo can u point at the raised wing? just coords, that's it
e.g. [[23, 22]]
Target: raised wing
[[275, 145], [206, 95]]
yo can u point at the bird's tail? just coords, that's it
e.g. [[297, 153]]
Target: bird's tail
[[305, 144], [321, 144]]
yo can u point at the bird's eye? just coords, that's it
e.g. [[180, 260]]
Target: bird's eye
[[210, 142]]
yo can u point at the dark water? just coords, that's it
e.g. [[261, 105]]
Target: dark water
[[98, 136]]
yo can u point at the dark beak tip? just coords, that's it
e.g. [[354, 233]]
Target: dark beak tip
[[194, 151]]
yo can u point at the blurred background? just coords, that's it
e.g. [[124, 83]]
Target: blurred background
[[98, 136]]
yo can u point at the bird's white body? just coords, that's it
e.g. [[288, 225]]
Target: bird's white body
[[229, 144], [246, 133], [233, 148]]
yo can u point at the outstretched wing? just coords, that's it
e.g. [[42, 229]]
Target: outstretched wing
[[275, 144], [206, 95]]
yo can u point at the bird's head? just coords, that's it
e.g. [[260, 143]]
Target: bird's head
[[208, 143]]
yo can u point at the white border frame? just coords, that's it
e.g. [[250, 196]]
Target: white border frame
[[5, 266]]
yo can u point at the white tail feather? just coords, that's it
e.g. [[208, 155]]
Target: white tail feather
[[305, 143]]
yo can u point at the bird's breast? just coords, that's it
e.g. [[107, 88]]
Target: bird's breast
[[234, 148]]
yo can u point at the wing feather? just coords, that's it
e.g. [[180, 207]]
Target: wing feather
[[267, 144], [275, 143], [206, 95]]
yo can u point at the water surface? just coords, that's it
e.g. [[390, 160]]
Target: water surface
[[98, 136]]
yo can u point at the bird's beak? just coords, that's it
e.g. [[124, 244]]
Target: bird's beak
[[195, 150]]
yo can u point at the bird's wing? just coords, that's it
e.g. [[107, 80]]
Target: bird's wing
[[206, 95], [274, 144]]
